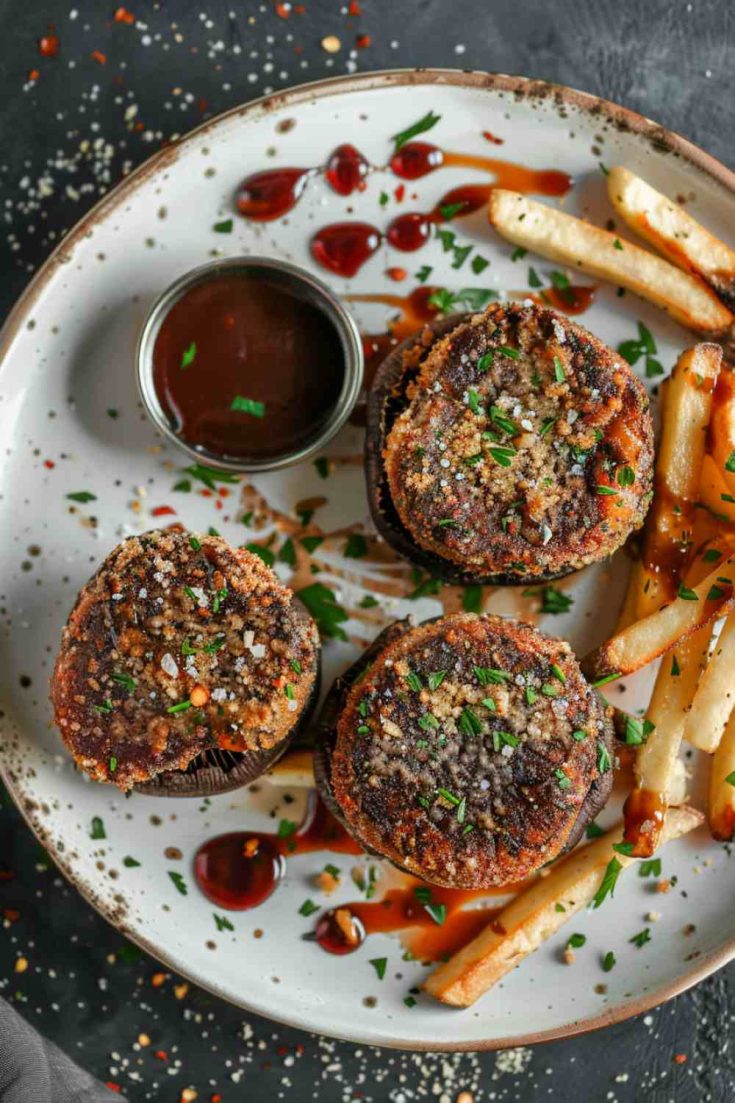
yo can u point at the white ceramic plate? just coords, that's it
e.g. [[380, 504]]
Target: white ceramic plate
[[68, 359]]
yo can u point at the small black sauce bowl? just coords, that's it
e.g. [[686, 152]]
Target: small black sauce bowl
[[310, 289]]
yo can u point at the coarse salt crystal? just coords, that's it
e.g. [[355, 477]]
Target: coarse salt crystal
[[169, 665], [219, 694]]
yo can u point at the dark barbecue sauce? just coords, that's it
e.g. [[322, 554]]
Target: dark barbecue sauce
[[245, 368]]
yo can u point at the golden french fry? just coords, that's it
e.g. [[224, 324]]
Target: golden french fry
[[295, 769], [722, 429], [715, 696], [671, 230], [721, 811], [645, 640], [534, 916], [667, 536], [582, 246]]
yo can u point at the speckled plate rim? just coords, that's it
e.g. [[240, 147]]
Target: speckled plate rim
[[624, 119]]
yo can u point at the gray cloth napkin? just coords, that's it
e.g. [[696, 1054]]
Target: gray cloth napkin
[[34, 1070]]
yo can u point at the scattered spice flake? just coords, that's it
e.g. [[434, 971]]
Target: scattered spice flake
[[122, 15], [396, 274], [163, 511], [99, 57], [82, 496], [222, 922], [48, 46], [322, 467]]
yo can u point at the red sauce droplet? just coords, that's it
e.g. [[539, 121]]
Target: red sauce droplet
[[48, 46], [265, 196], [342, 930], [346, 170], [396, 274], [516, 177], [343, 247], [468, 198], [644, 812], [409, 231], [416, 159], [574, 299], [321, 831], [239, 870], [489, 137]]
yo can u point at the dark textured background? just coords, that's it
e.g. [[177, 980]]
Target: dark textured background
[[673, 61]]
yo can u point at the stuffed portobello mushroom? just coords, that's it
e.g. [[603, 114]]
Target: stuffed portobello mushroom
[[468, 750], [510, 447], [186, 667]]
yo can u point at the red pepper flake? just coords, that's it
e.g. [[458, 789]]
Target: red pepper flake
[[396, 274], [215, 1098], [283, 11], [223, 492], [299, 1049], [34, 74], [354, 8], [680, 1058], [113, 1086], [122, 15], [97, 55], [161, 1055], [163, 511], [282, 1051], [50, 464], [218, 504], [399, 193], [11, 914], [298, 9], [202, 105], [206, 493], [48, 46], [491, 138], [363, 41]]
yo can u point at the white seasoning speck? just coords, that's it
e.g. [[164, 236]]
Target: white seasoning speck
[[169, 665]]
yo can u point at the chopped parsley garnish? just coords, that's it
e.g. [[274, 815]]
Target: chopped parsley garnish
[[501, 419], [219, 596], [601, 488], [551, 600], [289, 692], [558, 673], [286, 828], [447, 523], [295, 666], [479, 264], [637, 730], [181, 707], [379, 964], [564, 781], [414, 681], [356, 546], [438, 912], [489, 704], [423, 273], [105, 708], [624, 848], [576, 941], [449, 210], [82, 496], [248, 406], [209, 476], [125, 680], [625, 476], [644, 346], [384, 199], [322, 467], [592, 831], [607, 678], [435, 680], [715, 593], [130, 863], [486, 676], [368, 602], [730, 462], [188, 355], [409, 1001], [324, 608], [617, 243], [502, 456], [195, 544], [509, 353], [449, 797], [426, 123], [675, 668], [485, 361], [608, 962], [686, 594], [531, 695], [472, 598], [730, 779], [650, 868], [222, 923], [609, 881], [469, 723], [559, 373], [178, 881], [113, 764], [579, 736], [641, 938], [224, 227], [97, 830], [461, 810], [546, 425], [473, 401], [604, 762], [428, 722], [550, 690], [504, 739], [308, 907]]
